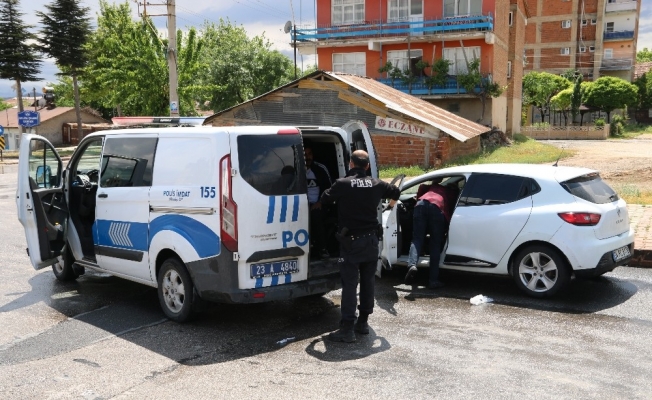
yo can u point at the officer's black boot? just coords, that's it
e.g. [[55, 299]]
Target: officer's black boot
[[344, 334], [361, 325]]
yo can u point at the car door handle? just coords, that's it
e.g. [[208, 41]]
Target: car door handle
[[102, 195]]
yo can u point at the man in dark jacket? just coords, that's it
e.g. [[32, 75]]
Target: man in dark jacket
[[318, 180], [358, 197]]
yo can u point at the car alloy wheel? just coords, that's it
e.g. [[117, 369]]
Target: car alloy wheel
[[540, 271]]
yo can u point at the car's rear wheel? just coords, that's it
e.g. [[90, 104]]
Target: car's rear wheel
[[540, 271], [63, 269], [175, 290]]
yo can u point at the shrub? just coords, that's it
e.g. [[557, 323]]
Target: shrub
[[599, 122]]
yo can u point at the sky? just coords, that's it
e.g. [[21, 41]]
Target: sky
[[256, 16]]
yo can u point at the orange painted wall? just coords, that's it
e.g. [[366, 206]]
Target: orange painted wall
[[377, 10]]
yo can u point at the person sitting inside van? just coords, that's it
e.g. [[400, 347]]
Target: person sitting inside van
[[318, 180]]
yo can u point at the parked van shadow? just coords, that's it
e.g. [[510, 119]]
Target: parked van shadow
[[581, 296], [100, 307]]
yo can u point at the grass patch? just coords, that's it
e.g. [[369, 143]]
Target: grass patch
[[523, 150], [633, 130], [633, 195]]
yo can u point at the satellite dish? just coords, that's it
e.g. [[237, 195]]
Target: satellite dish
[[288, 27]]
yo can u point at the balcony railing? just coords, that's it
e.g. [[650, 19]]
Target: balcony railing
[[616, 64], [619, 35], [622, 5], [376, 29], [419, 87]]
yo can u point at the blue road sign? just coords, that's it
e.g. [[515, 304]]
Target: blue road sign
[[2, 130], [29, 119]]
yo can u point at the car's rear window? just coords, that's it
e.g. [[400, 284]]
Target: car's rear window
[[273, 164], [591, 188]]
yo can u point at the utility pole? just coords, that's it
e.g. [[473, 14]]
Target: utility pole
[[171, 50], [172, 59]]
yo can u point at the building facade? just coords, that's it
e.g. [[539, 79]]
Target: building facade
[[361, 36], [596, 37]]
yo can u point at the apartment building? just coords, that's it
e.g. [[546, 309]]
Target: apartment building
[[361, 36], [596, 37]]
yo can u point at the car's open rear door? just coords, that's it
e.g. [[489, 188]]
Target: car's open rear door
[[41, 205], [389, 247]]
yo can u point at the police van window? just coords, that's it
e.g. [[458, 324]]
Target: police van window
[[273, 164], [127, 162]]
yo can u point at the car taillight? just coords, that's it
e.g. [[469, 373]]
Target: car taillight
[[229, 225], [583, 219]]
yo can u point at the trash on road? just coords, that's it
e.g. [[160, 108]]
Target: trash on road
[[285, 341], [480, 299]]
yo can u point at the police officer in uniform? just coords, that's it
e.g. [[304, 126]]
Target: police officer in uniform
[[358, 196]]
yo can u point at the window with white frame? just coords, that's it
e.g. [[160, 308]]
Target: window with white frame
[[454, 8], [610, 27], [591, 49], [594, 21], [345, 12], [582, 49], [458, 61], [509, 69], [566, 24], [350, 63], [404, 10], [511, 18], [564, 51], [585, 22], [608, 53], [401, 58]]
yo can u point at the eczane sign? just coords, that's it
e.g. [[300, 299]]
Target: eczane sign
[[395, 125]]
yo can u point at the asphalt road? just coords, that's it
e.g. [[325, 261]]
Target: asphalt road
[[102, 337]]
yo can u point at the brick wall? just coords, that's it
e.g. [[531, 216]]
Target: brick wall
[[555, 7], [552, 32], [402, 150], [551, 59]]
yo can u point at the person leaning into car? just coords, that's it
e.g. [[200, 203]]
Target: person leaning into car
[[358, 196], [432, 214]]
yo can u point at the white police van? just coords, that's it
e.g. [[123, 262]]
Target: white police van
[[212, 213]]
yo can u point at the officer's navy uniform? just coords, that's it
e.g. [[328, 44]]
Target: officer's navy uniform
[[358, 196]]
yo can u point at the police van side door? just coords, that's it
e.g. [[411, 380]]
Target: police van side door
[[122, 210], [359, 138], [39, 199]]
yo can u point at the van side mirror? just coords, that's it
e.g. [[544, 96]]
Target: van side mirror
[[43, 174]]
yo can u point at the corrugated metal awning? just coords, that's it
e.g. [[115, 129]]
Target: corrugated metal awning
[[460, 128]]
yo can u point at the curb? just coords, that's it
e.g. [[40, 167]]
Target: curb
[[641, 259]]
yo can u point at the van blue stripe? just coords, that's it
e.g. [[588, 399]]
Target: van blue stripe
[[288, 278], [284, 207], [259, 282], [270, 209], [295, 210], [274, 280]]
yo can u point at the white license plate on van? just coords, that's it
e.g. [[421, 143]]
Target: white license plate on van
[[274, 268], [620, 253]]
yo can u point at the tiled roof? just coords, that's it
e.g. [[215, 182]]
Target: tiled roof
[[641, 68]]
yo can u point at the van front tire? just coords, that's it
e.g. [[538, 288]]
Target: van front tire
[[63, 269], [175, 290]]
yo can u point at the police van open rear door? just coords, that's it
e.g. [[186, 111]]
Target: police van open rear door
[[360, 139], [40, 200]]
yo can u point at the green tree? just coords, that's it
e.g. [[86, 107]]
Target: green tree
[[609, 93], [644, 84], [562, 102], [238, 68], [479, 85], [644, 55], [65, 31], [19, 61], [438, 73], [540, 87]]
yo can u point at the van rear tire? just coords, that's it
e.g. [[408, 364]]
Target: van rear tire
[[175, 290]]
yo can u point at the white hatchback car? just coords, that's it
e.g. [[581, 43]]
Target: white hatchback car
[[541, 224]]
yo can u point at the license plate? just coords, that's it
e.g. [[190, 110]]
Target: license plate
[[620, 253], [274, 268]]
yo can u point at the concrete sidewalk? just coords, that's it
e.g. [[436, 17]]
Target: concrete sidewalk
[[640, 220]]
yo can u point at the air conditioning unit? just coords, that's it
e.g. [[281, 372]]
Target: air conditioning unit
[[564, 51], [566, 23]]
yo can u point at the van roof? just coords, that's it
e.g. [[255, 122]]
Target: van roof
[[174, 131]]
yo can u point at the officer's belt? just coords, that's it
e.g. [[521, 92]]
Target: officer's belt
[[362, 235]]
